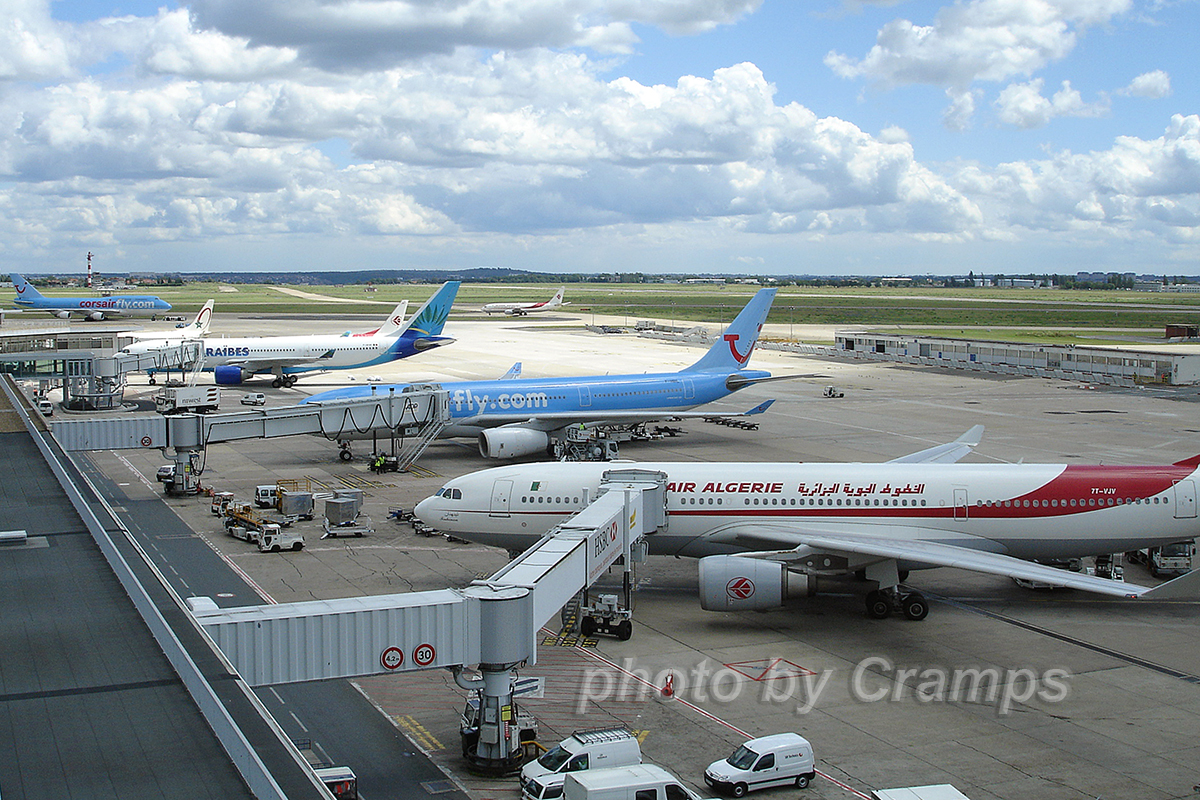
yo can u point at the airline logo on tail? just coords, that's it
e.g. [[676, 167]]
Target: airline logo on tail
[[733, 339]]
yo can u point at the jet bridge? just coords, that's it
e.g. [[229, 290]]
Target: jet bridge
[[190, 434], [492, 623]]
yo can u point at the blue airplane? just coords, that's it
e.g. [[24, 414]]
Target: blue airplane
[[93, 308], [514, 417]]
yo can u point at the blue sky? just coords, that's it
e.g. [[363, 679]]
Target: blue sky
[[996, 136]]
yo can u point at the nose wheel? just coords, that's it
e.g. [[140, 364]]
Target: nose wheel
[[882, 603]]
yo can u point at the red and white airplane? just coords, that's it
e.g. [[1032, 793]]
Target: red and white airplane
[[764, 532], [521, 309]]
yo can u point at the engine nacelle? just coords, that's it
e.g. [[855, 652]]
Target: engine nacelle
[[736, 583], [96, 316], [512, 442], [228, 376], [62, 314]]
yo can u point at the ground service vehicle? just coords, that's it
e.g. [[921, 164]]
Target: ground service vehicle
[[595, 749], [274, 539], [266, 495], [190, 399], [341, 782], [625, 783], [1169, 559], [219, 501], [254, 399], [767, 761], [45, 406]]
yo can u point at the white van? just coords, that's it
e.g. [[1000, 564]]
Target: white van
[[767, 761], [254, 399], [595, 749], [638, 782]]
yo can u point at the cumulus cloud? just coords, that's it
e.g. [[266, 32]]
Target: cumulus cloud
[[1137, 187], [1022, 105], [32, 45], [375, 34], [982, 40], [1155, 85]]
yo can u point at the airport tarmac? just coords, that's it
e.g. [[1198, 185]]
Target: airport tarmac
[[1114, 702]]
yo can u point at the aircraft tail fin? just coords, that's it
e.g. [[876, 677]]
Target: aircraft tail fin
[[557, 300], [25, 289], [394, 323], [431, 317], [733, 348], [199, 326]]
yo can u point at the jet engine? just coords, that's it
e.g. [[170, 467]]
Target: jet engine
[[228, 376], [512, 442], [96, 316], [62, 314], [737, 583]]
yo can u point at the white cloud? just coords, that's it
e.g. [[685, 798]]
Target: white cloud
[[1137, 188], [375, 34], [1022, 105], [32, 46], [982, 40], [1155, 85]]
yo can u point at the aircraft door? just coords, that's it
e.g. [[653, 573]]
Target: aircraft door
[[585, 397], [1185, 500], [960, 504], [501, 494], [689, 389]]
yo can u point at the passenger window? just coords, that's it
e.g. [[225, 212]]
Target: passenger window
[[766, 762]]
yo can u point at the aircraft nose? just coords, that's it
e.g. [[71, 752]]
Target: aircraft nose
[[424, 509]]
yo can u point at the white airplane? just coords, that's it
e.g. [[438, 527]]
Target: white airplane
[[184, 331], [521, 309], [234, 360], [764, 532]]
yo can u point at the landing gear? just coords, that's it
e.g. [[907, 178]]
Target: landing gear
[[881, 603], [286, 381], [345, 454], [153, 380]]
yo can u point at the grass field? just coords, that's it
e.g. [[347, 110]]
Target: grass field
[[1036, 315]]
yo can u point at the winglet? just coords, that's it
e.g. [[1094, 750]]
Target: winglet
[[948, 453], [1185, 587], [760, 408], [513, 373], [1192, 462]]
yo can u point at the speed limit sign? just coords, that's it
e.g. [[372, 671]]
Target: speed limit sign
[[423, 655]]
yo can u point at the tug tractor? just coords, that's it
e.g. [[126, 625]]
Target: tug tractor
[[607, 617]]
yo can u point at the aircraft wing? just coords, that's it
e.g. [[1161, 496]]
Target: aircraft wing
[[892, 542], [555, 420], [261, 364], [944, 453]]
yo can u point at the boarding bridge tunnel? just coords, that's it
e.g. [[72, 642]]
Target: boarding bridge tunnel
[[492, 623], [191, 433]]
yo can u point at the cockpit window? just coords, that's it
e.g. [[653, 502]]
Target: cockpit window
[[450, 494]]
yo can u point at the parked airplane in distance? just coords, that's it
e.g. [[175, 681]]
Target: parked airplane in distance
[[518, 417], [764, 532], [521, 309], [92, 308], [234, 360], [184, 331]]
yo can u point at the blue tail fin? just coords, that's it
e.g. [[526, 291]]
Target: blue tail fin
[[732, 350], [25, 290], [431, 317]]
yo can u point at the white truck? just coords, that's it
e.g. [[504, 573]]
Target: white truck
[[625, 783], [1168, 560], [595, 749], [775, 760], [187, 399]]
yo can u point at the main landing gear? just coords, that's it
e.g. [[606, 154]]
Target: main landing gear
[[883, 602], [286, 381]]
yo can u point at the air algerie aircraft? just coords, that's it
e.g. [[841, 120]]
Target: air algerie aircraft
[[518, 417], [521, 309], [764, 532], [234, 360], [92, 308]]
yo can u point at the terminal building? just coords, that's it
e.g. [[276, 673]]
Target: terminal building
[[1133, 365]]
